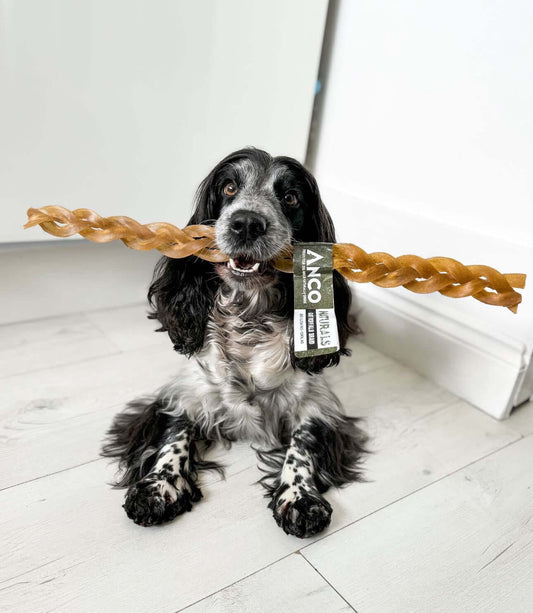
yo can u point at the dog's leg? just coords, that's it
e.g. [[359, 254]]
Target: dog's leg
[[297, 504], [319, 455], [169, 488]]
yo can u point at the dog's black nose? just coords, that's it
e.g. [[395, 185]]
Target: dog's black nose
[[247, 225]]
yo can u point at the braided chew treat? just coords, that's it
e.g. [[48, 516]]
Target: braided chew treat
[[423, 276]]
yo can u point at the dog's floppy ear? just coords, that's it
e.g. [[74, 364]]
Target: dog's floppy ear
[[182, 295], [183, 290], [318, 227]]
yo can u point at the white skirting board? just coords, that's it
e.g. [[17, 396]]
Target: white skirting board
[[493, 375], [58, 277], [479, 352]]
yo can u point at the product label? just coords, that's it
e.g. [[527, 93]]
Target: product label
[[315, 324]]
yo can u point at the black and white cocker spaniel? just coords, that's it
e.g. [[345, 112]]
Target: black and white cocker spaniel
[[244, 381]]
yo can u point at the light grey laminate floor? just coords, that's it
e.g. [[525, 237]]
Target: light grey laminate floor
[[444, 522]]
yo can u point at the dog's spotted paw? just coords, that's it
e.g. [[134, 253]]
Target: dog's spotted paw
[[303, 516], [154, 501]]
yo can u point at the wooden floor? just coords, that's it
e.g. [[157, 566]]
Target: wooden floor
[[444, 523]]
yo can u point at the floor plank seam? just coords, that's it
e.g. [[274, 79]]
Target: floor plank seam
[[107, 407], [69, 314], [420, 489], [105, 334], [192, 604], [364, 422], [59, 366], [98, 459], [352, 376], [56, 472], [116, 308], [85, 315], [330, 585]]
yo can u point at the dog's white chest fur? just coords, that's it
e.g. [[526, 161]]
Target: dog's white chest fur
[[243, 382], [246, 361], [248, 358]]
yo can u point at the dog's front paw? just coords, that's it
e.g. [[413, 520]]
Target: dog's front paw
[[302, 516], [154, 501]]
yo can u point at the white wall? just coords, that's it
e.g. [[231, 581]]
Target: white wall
[[426, 142], [429, 109], [124, 106]]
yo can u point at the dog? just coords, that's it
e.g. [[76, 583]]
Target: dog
[[243, 381]]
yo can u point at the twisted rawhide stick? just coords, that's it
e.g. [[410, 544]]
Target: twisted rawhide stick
[[423, 276]]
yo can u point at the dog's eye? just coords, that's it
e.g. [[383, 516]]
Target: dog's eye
[[290, 199], [230, 189]]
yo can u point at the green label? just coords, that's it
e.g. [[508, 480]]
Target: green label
[[315, 325]]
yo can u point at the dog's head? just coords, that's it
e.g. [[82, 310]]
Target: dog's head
[[258, 205]]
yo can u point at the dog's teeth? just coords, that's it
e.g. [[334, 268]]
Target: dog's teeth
[[247, 271]]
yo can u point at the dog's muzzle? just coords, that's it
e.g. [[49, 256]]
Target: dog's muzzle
[[246, 227], [251, 238]]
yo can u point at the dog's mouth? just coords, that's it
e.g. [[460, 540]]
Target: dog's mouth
[[245, 272], [245, 267]]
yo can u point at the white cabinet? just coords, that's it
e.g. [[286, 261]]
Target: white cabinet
[[123, 106]]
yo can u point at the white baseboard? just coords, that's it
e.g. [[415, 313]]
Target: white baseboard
[[486, 372], [479, 352], [60, 277]]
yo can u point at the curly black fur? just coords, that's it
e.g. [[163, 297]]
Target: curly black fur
[[133, 433], [182, 295], [138, 433], [337, 452]]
